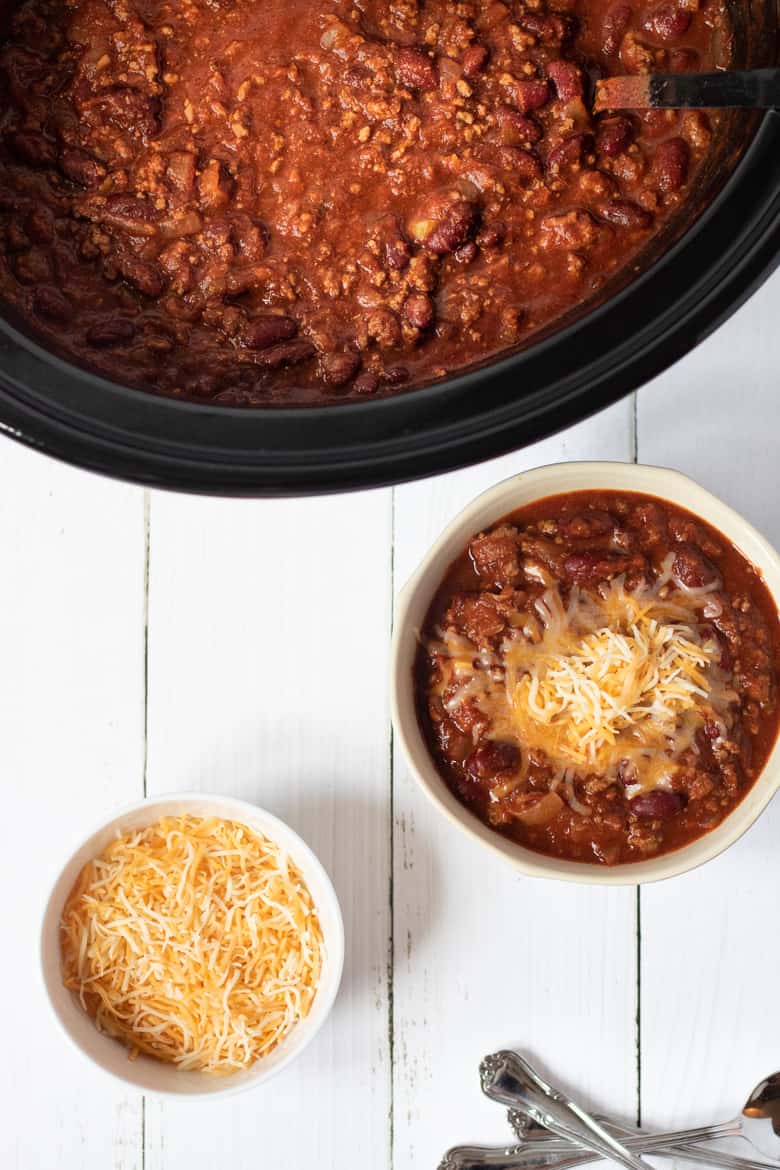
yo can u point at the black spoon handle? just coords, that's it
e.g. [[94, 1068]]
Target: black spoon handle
[[757, 89]]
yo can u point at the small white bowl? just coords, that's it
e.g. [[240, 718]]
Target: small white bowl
[[417, 594], [145, 1073]]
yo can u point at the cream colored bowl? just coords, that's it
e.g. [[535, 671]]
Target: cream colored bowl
[[416, 597], [145, 1073]]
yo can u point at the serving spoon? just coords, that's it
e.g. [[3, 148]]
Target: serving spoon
[[755, 89]]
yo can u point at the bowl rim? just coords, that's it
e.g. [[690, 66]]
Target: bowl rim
[[234, 809], [416, 594]]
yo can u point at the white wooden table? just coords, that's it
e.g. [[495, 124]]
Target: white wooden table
[[146, 647]]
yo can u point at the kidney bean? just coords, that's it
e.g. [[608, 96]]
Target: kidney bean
[[474, 60], [569, 153], [616, 21], [143, 275], [39, 225], [415, 70], [657, 805], [418, 310], [50, 303], [690, 567], [263, 332], [515, 128], [16, 238], [490, 758], [491, 235], [567, 79], [397, 254], [135, 215], [81, 168], [287, 353], [525, 164], [597, 565], [339, 368], [445, 225], [395, 375], [530, 95], [110, 332], [614, 136], [668, 22], [551, 29], [624, 213], [669, 168], [587, 525], [32, 267], [32, 148], [366, 384]]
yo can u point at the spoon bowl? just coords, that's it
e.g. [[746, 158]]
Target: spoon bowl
[[760, 1119]]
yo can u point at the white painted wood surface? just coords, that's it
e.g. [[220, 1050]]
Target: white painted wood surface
[[146, 645]]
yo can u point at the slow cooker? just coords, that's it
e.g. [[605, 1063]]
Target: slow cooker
[[723, 243]]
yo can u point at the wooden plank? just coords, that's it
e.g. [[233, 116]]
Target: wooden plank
[[72, 701], [707, 936], [484, 958], [268, 633]]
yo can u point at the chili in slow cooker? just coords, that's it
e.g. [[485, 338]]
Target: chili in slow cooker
[[294, 202], [597, 677]]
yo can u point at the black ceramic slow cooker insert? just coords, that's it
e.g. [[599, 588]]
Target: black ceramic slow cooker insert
[[722, 245]]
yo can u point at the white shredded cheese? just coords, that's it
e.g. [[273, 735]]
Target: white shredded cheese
[[608, 678]]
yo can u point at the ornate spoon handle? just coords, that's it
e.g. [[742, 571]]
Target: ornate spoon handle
[[508, 1078], [632, 1138]]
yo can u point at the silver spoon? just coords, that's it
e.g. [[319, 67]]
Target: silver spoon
[[541, 1150], [537, 1158], [535, 1139], [509, 1079], [758, 1124], [529, 1132]]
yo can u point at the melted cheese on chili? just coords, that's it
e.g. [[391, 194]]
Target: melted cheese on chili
[[195, 941], [602, 680]]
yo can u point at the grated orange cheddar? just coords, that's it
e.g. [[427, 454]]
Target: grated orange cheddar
[[194, 940]]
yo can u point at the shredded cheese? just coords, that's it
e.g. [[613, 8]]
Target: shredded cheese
[[604, 679], [195, 941]]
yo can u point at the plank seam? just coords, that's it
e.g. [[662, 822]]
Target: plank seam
[[391, 891], [638, 952], [147, 549]]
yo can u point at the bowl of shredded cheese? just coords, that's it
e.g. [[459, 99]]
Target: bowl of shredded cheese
[[192, 945]]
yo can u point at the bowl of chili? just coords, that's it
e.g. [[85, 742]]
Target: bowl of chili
[[585, 673]]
